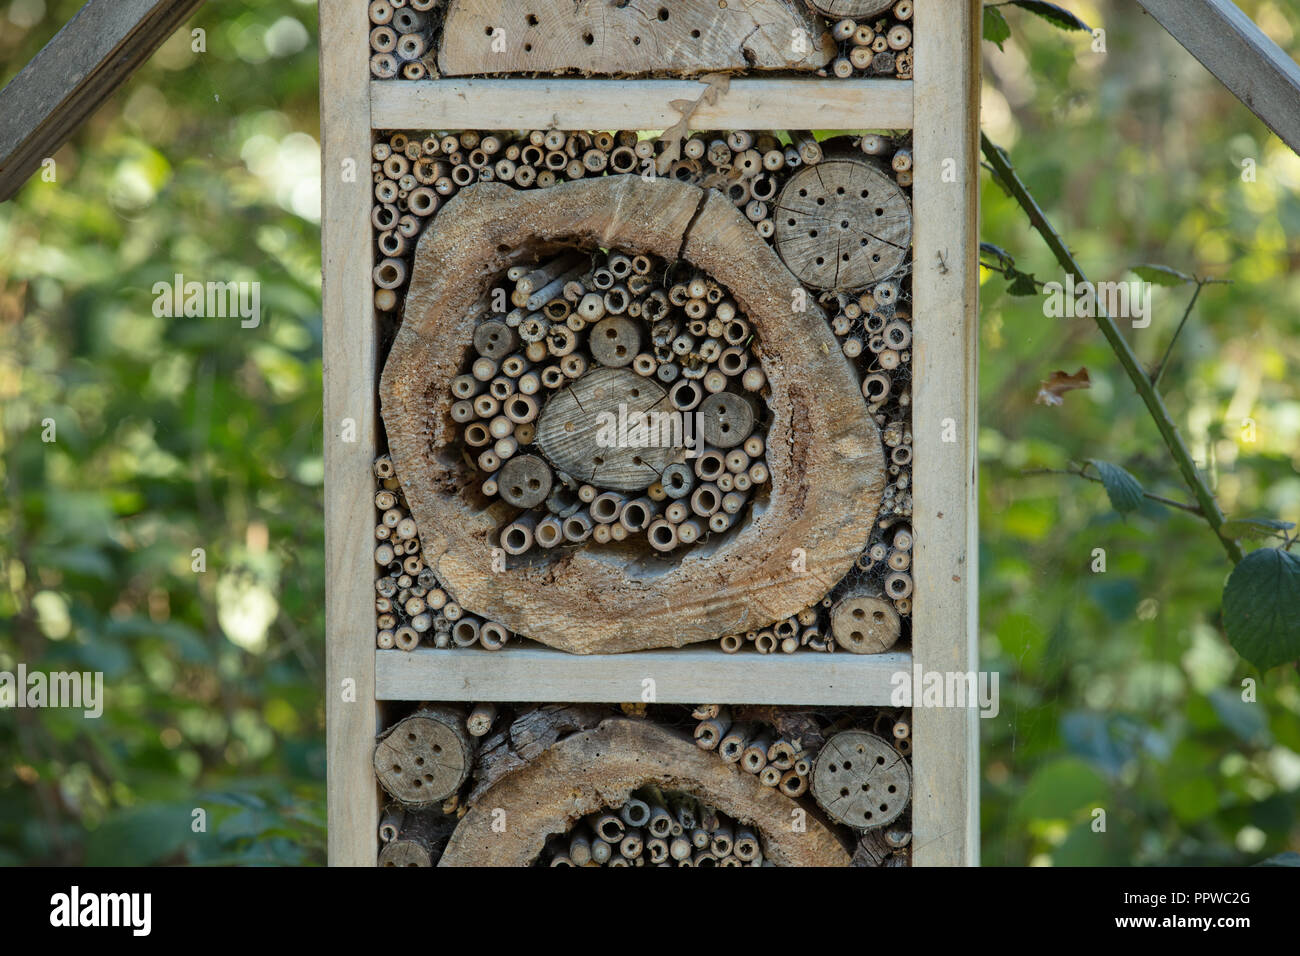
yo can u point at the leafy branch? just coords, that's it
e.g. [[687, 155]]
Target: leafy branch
[[1010, 180]]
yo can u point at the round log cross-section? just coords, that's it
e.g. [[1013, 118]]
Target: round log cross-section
[[865, 623], [842, 224], [599, 768], [579, 430], [859, 779], [823, 449], [425, 757]]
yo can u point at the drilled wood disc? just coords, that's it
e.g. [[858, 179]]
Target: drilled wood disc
[[578, 430], [860, 780], [855, 9], [404, 853], [842, 224], [424, 758], [864, 624]]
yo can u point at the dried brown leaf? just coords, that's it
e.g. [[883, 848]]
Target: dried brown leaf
[[1051, 389]]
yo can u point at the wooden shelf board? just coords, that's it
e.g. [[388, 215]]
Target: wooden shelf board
[[750, 103], [689, 675]]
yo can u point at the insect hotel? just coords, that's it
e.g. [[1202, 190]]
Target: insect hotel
[[649, 402]]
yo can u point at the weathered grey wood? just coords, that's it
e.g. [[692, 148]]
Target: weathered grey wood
[[570, 104], [570, 425], [865, 623], [629, 37], [423, 759], [349, 369], [859, 779], [81, 67], [842, 224], [945, 421], [681, 675], [1232, 47], [600, 768], [822, 448], [854, 9]]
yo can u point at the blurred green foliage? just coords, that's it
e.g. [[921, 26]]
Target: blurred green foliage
[[171, 435], [1119, 690]]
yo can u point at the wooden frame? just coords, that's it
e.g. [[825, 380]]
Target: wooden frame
[[81, 67], [941, 104]]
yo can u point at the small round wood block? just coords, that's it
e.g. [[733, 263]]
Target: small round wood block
[[860, 780], [842, 224], [727, 419], [864, 624], [424, 758], [525, 481], [494, 339], [590, 430], [404, 853], [615, 341]]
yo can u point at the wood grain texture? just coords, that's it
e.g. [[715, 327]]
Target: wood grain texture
[[81, 67], [681, 676], [859, 779], [945, 297], [424, 758], [842, 224], [823, 450], [1232, 47], [855, 9], [629, 37], [572, 104], [570, 424], [349, 365], [599, 768]]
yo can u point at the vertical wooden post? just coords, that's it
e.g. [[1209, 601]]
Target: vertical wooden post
[[945, 292], [349, 371]]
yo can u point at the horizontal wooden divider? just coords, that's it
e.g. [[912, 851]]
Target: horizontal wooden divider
[[689, 675], [749, 103]]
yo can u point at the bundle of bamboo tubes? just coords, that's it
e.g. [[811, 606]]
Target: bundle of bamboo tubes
[[897, 150], [577, 313], [401, 38], [874, 47], [657, 828], [778, 762], [410, 605]]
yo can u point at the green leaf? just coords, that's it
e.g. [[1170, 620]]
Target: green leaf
[[1022, 283], [1060, 789], [1124, 491], [1289, 858], [1255, 527], [1261, 607], [1162, 275], [1057, 16], [996, 29]]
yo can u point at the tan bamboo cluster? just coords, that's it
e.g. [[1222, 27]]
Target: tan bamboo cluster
[[777, 761], [401, 38], [892, 561], [410, 606], [687, 335], [898, 152], [895, 725], [881, 47], [414, 174], [657, 828]]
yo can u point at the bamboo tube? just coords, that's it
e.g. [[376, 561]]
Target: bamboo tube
[[580, 845], [609, 828], [709, 733], [601, 851], [480, 719], [734, 742]]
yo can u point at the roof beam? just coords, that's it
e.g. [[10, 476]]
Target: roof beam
[[95, 53], [1232, 47]]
